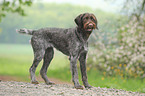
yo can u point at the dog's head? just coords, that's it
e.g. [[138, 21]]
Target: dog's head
[[86, 21]]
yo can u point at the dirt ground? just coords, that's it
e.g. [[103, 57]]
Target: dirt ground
[[14, 78], [13, 88], [9, 86]]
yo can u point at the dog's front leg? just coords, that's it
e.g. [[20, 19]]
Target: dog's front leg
[[82, 60], [73, 63]]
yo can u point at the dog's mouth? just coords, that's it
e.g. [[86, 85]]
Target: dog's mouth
[[89, 27]]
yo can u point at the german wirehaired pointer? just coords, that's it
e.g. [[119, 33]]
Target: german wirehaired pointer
[[72, 42]]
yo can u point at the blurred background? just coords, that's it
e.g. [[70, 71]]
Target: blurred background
[[116, 57]]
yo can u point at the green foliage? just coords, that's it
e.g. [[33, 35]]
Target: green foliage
[[50, 15], [14, 6], [134, 8], [125, 60]]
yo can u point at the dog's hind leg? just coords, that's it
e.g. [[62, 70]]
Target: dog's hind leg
[[37, 58], [38, 55], [47, 59]]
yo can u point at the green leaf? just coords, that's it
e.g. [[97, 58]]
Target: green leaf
[[13, 3], [20, 1], [29, 3], [6, 3]]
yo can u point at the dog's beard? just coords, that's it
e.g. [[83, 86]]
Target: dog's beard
[[89, 28]]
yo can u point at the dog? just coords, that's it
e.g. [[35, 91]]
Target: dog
[[72, 42]]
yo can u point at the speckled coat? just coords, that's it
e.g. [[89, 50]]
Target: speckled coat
[[71, 42]]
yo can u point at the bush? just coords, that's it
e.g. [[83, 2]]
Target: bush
[[124, 53]]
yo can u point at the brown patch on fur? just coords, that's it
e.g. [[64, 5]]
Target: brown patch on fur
[[89, 19]]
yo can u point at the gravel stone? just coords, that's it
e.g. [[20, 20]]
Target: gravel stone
[[13, 88]]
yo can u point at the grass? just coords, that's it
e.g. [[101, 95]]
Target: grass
[[15, 60], [117, 82]]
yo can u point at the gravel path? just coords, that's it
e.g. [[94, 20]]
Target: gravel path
[[12, 88]]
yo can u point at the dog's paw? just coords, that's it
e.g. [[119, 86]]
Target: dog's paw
[[79, 87], [50, 83], [35, 82], [88, 86]]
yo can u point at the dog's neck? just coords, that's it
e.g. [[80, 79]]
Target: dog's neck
[[84, 34]]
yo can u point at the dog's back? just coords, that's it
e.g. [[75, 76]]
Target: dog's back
[[60, 38]]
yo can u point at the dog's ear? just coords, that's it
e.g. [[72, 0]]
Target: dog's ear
[[95, 21], [78, 20]]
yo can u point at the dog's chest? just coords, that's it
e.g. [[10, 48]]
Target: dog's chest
[[83, 47]]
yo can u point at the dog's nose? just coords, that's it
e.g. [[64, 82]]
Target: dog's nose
[[90, 25]]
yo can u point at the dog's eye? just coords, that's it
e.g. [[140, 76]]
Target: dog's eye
[[86, 18], [92, 18]]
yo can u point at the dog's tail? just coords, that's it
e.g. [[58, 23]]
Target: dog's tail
[[25, 31]]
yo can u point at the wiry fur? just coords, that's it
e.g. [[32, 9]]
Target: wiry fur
[[71, 42]]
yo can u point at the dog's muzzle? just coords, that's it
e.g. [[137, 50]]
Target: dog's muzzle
[[89, 27]]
